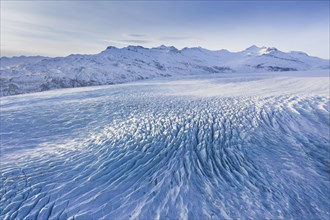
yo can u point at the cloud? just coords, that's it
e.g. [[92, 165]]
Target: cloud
[[136, 41], [29, 30], [115, 42], [174, 38], [136, 35]]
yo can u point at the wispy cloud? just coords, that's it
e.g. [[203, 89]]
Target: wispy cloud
[[128, 41], [39, 31], [136, 35], [174, 38], [135, 41], [115, 42]]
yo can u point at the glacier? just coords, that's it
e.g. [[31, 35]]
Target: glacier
[[209, 146]]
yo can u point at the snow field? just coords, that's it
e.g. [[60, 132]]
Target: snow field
[[169, 149]]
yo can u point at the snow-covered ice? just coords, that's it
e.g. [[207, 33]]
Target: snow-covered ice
[[229, 146]]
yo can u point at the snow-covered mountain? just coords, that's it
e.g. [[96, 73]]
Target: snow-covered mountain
[[113, 65], [8, 62]]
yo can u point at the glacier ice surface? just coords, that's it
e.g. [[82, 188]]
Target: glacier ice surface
[[251, 147]]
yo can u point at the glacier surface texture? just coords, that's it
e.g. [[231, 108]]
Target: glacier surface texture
[[249, 146]]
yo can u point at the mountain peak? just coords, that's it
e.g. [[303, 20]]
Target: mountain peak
[[163, 47], [111, 47], [253, 48], [268, 50], [134, 47]]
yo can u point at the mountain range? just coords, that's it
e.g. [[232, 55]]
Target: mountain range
[[118, 65]]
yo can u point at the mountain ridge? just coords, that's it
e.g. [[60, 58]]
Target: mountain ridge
[[118, 65]]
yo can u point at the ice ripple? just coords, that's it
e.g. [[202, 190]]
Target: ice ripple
[[149, 157]]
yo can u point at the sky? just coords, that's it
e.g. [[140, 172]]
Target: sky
[[60, 28]]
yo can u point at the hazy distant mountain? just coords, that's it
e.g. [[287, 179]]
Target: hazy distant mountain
[[113, 65]]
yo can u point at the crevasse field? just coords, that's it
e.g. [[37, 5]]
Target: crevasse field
[[227, 146]]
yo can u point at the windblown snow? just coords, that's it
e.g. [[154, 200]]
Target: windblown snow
[[229, 146]]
